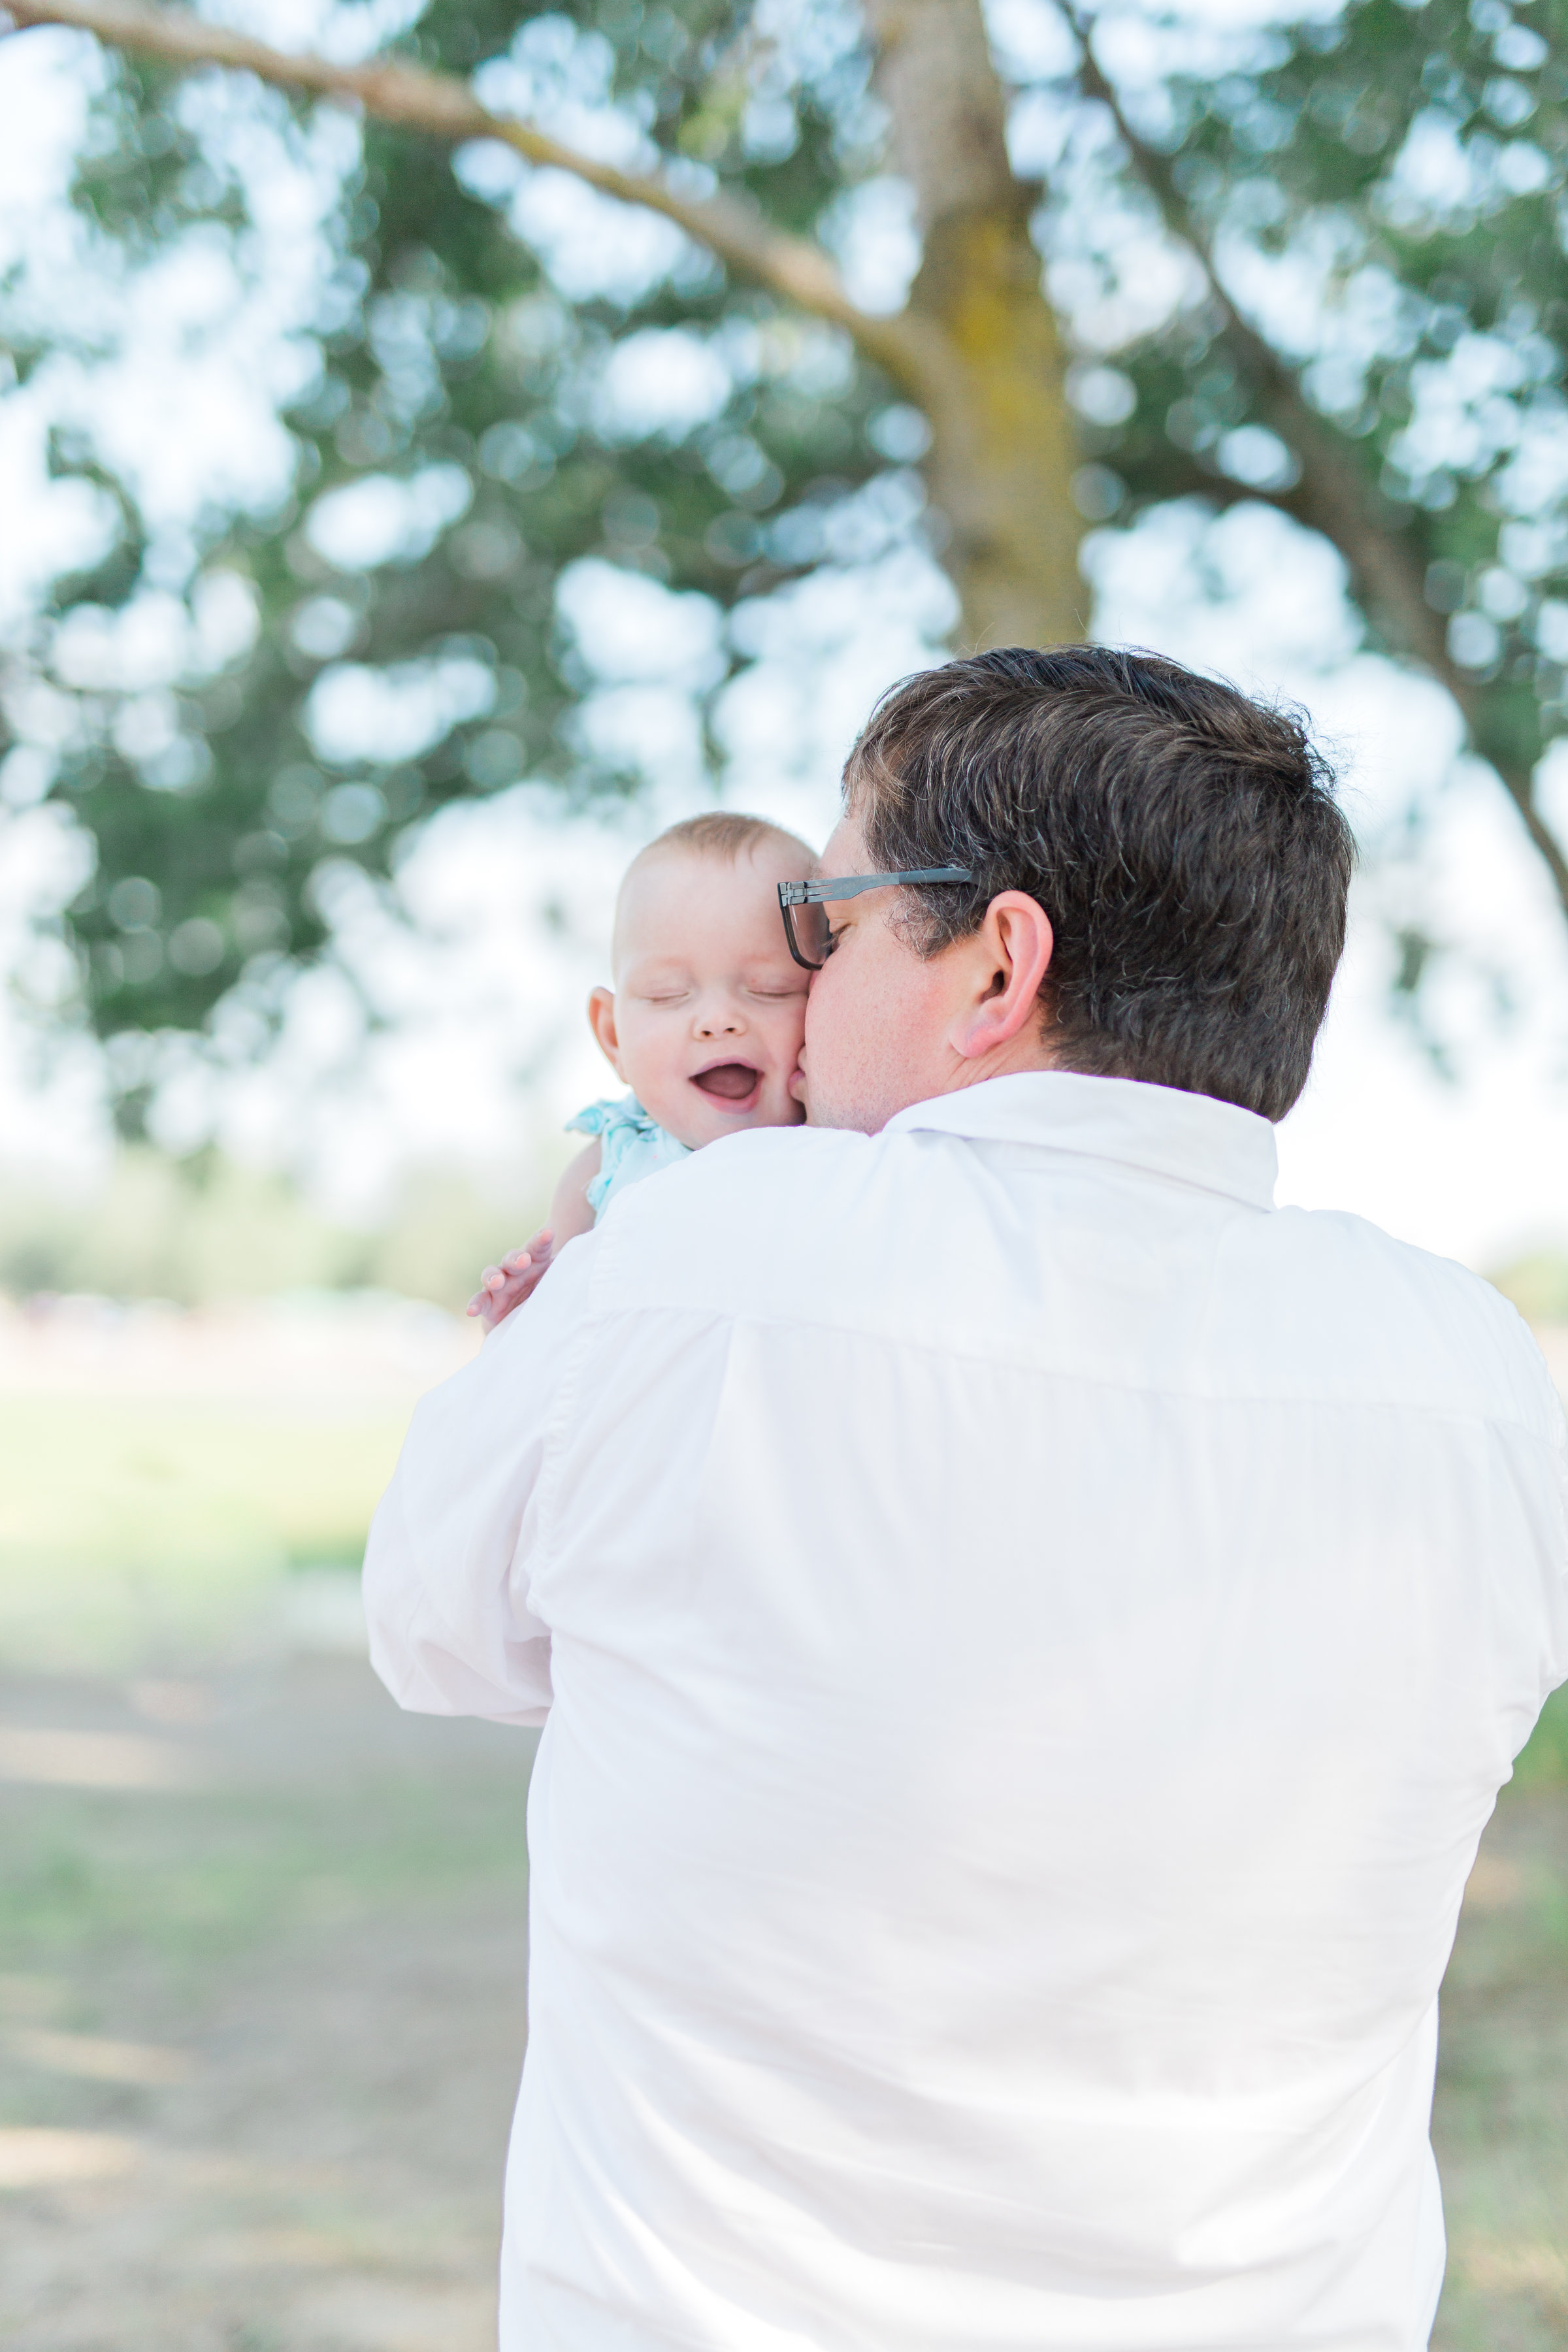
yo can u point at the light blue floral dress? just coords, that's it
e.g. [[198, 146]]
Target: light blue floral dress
[[632, 1146]]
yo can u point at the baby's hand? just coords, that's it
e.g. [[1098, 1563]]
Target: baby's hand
[[506, 1285]]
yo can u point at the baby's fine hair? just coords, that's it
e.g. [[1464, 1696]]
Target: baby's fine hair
[[720, 833], [723, 832]]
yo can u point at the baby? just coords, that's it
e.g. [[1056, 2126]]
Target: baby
[[704, 1024]]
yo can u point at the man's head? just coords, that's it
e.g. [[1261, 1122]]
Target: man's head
[[704, 1021], [1160, 874]]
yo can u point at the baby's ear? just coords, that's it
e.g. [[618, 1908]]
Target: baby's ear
[[602, 1021]]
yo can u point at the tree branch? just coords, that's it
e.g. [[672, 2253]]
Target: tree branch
[[1332, 496], [439, 103]]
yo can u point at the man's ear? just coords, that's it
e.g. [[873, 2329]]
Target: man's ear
[[1007, 958], [602, 1021]]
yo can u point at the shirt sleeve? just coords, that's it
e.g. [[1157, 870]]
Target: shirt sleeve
[[448, 1564]]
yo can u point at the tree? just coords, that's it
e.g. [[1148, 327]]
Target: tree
[[1359, 222]]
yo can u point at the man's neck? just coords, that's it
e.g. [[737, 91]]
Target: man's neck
[[1029, 1050]]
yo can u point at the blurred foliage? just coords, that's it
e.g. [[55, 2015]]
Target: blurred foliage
[[444, 355], [1382, 191], [203, 1231], [1538, 1286]]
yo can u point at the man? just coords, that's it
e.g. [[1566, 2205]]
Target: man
[[1028, 1634]]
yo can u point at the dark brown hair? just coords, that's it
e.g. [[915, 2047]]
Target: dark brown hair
[[1184, 840]]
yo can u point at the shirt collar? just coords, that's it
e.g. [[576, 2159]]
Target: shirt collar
[[1191, 1138]]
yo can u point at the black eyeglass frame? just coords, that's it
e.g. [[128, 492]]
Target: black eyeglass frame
[[849, 886]]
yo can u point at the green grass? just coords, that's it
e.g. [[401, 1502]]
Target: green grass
[[157, 1529], [1500, 2123], [183, 1884], [1544, 1762]]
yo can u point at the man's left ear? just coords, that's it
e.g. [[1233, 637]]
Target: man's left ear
[[1009, 958]]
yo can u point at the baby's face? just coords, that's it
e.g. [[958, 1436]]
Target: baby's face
[[709, 1010]]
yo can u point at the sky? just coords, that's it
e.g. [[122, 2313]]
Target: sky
[[505, 905]]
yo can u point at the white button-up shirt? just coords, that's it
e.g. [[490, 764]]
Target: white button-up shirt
[[1029, 1635]]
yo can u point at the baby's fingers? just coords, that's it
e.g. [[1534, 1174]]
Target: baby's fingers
[[494, 1282], [537, 1246], [506, 1285]]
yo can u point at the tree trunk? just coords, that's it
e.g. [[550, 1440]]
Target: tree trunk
[[1002, 456]]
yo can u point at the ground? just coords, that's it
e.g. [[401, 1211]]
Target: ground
[[263, 2019], [1500, 2125]]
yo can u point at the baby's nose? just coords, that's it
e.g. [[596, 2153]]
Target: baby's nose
[[720, 1020]]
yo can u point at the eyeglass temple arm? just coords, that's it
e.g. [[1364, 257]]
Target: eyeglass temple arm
[[849, 886]]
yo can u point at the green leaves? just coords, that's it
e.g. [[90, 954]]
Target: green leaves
[[1386, 324], [467, 439]]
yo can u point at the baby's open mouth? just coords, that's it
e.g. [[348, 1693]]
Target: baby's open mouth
[[728, 1081]]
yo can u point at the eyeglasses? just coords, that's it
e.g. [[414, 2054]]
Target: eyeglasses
[[802, 903]]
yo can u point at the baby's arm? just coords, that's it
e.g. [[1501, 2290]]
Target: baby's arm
[[569, 1212], [504, 1287]]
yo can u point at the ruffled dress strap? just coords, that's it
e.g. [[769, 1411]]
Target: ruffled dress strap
[[631, 1146]]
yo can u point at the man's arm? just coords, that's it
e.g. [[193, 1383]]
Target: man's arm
[[447, 1566]]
